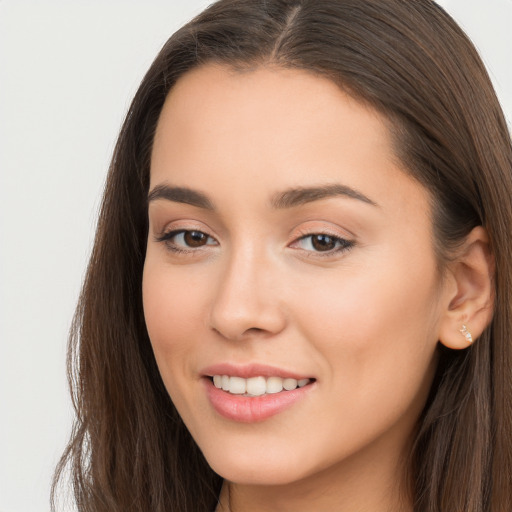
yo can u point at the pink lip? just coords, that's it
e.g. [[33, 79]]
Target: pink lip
[[250, 370], [246, 409]]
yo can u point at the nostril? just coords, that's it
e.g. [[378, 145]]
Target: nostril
[[242, 334]]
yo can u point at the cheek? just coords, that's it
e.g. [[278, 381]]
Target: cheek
[[377, 347], [377, 329], [379, 296], [173, 312]]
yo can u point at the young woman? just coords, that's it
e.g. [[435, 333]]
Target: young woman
[[300, 292]]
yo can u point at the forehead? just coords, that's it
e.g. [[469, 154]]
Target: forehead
[[270, 128], [217, 100]]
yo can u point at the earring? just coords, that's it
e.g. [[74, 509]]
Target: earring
[[465, 332]]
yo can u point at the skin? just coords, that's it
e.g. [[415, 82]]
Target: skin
[[364, 321]]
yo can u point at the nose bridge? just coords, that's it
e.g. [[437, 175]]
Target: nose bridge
[[245, 300]]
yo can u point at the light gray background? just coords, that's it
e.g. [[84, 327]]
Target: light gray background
[[68, 70]]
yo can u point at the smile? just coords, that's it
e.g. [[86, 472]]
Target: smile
[[257, 386], [255, 399]]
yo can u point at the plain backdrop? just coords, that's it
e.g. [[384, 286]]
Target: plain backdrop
[[68, 70]]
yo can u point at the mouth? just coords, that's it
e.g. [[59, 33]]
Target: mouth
[[257, 386], [254, 393]]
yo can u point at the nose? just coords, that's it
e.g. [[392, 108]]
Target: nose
[[247, 302]]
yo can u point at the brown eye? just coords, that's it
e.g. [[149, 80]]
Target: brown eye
[[195, 238], [186, 240], [323, 242]]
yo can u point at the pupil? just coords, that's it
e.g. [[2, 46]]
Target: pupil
[[195, 238], [323, 242]]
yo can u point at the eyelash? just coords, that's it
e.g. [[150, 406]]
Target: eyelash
[[341, 244], [168, 237]]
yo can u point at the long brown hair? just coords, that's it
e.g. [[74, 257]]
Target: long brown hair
[[129, 449]]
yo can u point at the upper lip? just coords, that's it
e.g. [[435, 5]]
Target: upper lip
[[247, 371]]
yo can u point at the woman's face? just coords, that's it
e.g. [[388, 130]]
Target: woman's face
[[286, 244]]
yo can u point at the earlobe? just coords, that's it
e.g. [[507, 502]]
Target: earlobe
[[470, 307]]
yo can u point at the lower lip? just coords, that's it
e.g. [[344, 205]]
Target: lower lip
[[245, 409]]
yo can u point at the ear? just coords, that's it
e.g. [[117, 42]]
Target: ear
[[471, 298]]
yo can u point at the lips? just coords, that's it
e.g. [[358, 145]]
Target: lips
[[253, 393], [251, 370]]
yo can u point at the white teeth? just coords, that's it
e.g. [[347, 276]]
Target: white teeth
[[290, 384], [256, 386], [237, 385], [274, 384]]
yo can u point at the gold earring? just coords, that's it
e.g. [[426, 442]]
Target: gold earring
[[465, 332]]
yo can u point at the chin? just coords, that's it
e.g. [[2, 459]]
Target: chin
[[256, 468]]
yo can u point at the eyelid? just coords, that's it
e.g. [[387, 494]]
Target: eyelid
[[347, 242], [167, 235], [334, 237], [322, 228], [170, 233], [161, 229]]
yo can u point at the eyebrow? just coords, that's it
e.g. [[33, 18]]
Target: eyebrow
[[299, 196], [287, 199], [181, 195]]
